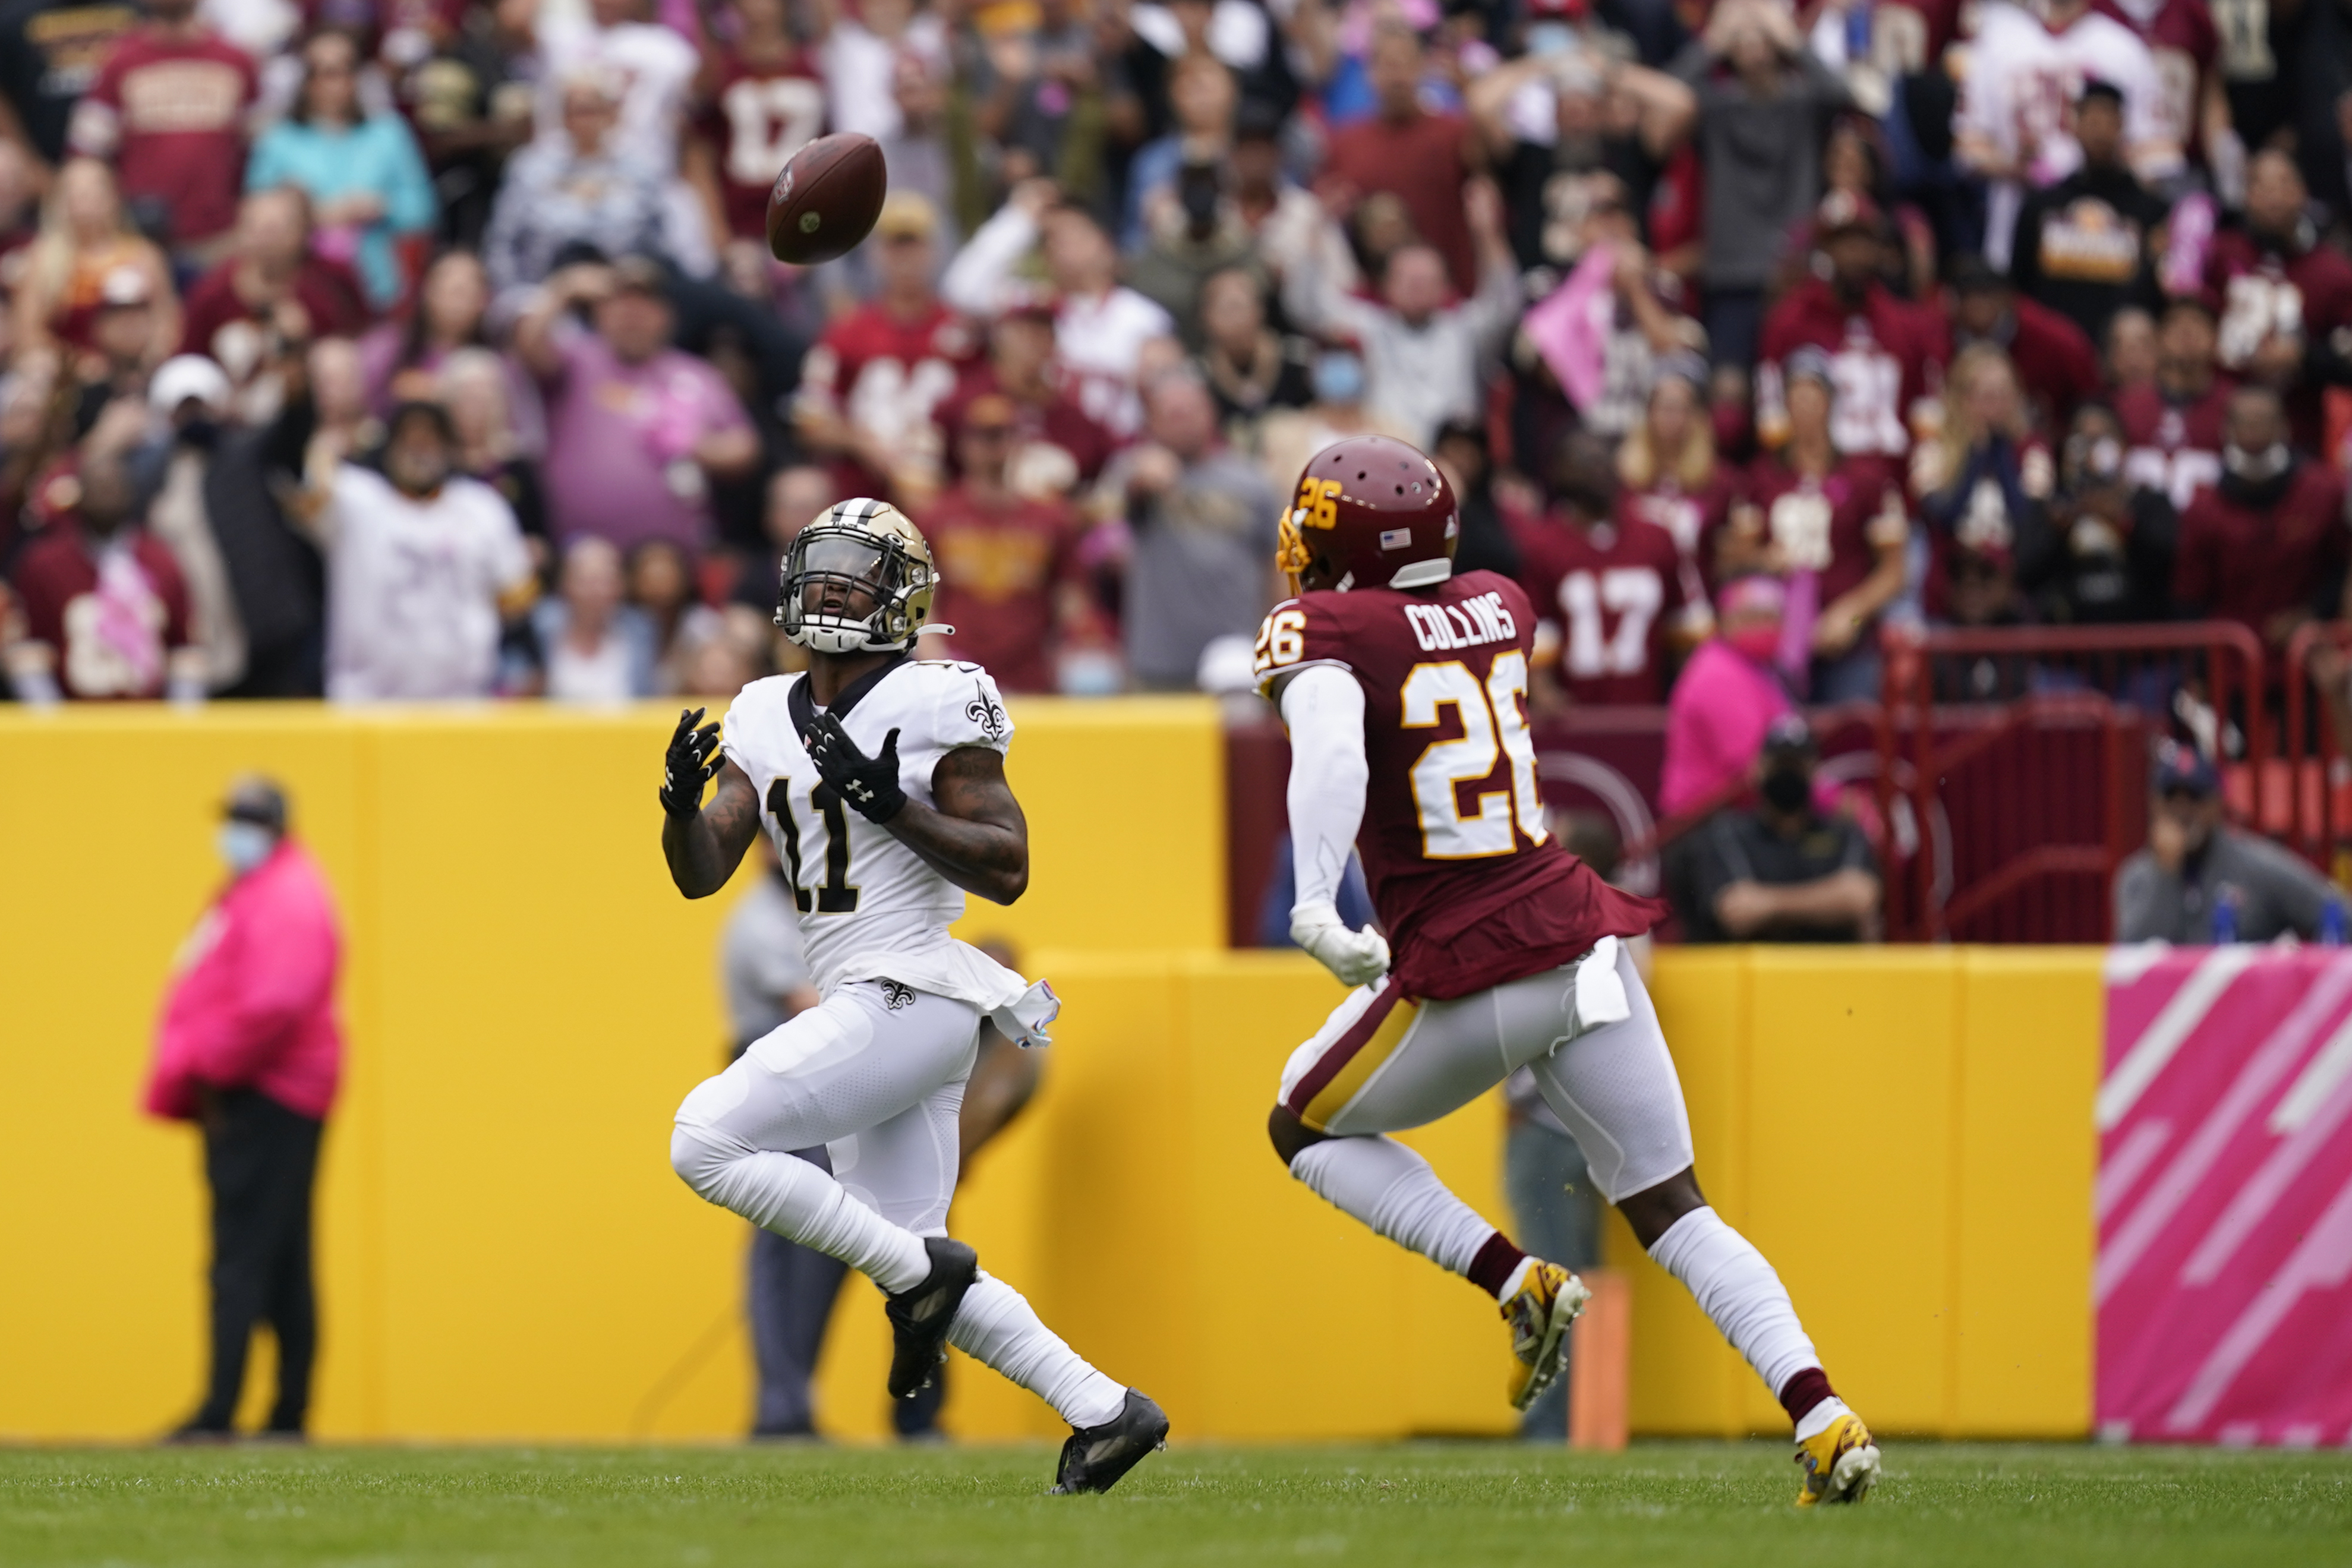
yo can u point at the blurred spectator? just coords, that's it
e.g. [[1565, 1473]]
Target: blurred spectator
[[2013, 125], [663, 590], [1669, 470], [422, 565], [1100, 327], [1289, 437], [586, 186], [1783, 871], [1251, 368], [1729, 696], [85, 240], [362, 171], [1461, 454], [1992, 477], [869, 388], [1040, 95], [2131, 351], [274, 568], [765, 100], [250, 1050], [2103, 551], [271, 290], [653, 65], [1853, 164], [1007, 564], [1764, 107], [2085, 247], [123, 340], [1608, 585], [2172, 424], [2265, 546], [2284, 296], [636, 429], [1202, 240], [50, 52], [1631, 311], [1423, 357], [593, 647], [1200, 92], [169, 111], [402, 358], [1205, 534], [2195, 863], [1058, 446], [475, 386], [470, 100], [2055, 363], [190, 398], [1834, 525], [796, 495], [102, 607], [1406, 150], [1884, 353]]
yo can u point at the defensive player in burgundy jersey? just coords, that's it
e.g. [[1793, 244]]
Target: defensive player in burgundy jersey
[[1404, 688]]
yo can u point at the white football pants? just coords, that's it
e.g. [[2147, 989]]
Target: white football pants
[[875, 1073], [1382, 1063]]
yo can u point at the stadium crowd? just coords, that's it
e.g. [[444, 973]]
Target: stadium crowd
[[419, 349]]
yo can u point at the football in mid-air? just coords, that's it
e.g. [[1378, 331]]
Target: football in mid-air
[[826, 199]]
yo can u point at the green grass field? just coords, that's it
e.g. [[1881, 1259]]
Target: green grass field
[[1467, 1504]]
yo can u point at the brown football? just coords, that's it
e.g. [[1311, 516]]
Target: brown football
[[826, 199]]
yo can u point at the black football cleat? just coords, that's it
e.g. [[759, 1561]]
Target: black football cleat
[[920, 1320], [1093, 1460]]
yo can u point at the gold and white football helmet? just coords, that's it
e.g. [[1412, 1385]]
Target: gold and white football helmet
[[861, 547]]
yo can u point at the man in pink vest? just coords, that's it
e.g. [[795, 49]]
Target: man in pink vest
[[249, 1048]]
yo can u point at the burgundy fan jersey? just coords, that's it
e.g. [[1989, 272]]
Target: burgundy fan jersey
[[1886, 357], [2261, 289], [2238, 563], [2186, 46], [2175, 447], [1613, 589], [1469, 886], [759, 117]]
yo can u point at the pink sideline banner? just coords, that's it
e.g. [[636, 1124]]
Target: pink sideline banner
[[2224, 1276]]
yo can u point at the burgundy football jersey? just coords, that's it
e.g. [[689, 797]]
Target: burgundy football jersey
[[1613, 590], [2175, 447], [2239, 564], [2259, 290], [759, 117], [1469, 886], [1835, 526], [1886, 357]]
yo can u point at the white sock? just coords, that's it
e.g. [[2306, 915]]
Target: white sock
[[1737, 1288], [1392, 1189], [785, 1193], [1817, 1419], [997, 1327]]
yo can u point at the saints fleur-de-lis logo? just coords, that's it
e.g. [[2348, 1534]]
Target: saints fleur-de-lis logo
[[984, 711]]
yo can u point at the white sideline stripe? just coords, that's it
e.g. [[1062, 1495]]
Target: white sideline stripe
[[2126, 963], [2170, 1030], [2321, 1074]]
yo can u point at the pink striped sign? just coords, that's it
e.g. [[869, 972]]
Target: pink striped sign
[[2224, 1277]]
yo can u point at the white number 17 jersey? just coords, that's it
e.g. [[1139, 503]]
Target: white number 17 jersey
[[870, 908]]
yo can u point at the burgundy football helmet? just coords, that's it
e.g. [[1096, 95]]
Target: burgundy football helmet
[[1370, 512]]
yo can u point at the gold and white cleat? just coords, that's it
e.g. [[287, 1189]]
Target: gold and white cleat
[[1841, 1463], [1540, 1311]]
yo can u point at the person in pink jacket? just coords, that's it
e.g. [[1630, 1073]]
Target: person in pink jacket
[[249, 1048], [1726, 698]]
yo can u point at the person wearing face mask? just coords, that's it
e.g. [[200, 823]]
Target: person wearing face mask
[[1726, 698], [424, 566], [2265, 547], [2194, 861], [2101, 551], [250, 1050], [1783, 871]]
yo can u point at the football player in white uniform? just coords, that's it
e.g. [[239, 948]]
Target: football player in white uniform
[[882, 781]]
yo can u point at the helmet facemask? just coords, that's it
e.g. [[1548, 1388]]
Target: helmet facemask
[[852, 567]]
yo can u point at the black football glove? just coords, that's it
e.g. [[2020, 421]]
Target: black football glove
[[870, 784], [693, 761]]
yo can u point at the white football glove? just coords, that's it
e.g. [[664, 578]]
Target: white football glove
[[1358, 957]]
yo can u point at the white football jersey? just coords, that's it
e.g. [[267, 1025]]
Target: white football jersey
[[870, 908]]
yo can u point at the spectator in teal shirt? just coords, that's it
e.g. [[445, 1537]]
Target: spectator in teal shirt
[[366, 179]]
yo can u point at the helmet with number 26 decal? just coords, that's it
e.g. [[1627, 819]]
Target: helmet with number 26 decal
[[1370, 512]]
